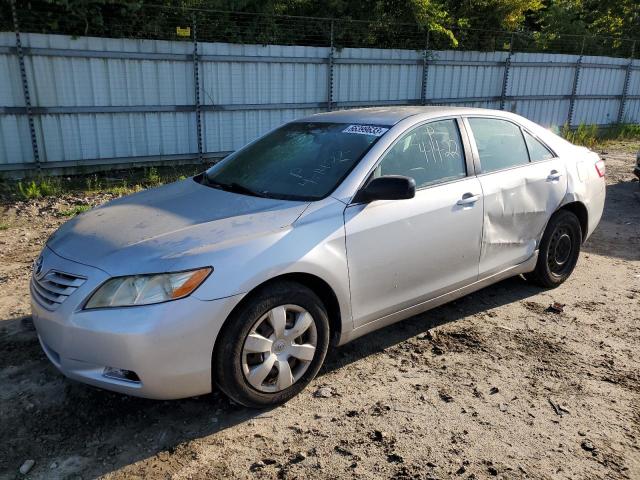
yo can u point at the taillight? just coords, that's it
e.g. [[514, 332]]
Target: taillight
[[600, 168]]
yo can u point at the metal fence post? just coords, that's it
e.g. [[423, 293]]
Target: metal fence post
[[425, 72], [330, 71], [625, 88], [576, 79], [196, 81], [25, 87], [505, 77]]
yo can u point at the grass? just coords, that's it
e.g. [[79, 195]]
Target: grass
[[117, 183], [152, 177], [75, 210], [4, 226], [592, 136], [95, 184], [39, 188]]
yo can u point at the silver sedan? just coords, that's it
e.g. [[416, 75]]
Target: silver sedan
[[323, 230]]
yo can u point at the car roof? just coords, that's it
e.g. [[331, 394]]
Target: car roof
[[391, 115]]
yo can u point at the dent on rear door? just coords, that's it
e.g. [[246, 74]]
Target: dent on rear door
[[517, 206]]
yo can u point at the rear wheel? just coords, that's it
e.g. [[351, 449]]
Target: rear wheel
[[272, 346], [559, 250]]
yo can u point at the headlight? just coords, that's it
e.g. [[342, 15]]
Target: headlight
[[147, 289]]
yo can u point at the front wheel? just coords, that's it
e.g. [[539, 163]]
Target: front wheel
[[559, 250], [272, 346]]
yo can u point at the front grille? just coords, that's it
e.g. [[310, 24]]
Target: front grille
[[55, 287]]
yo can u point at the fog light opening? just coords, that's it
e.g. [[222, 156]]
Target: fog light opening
[[121, 374]]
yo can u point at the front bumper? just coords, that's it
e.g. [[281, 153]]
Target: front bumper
[[167, 345]]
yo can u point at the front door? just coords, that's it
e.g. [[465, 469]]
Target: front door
[[403, 252]]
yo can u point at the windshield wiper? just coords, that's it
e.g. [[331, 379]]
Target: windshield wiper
[[237, 188], [234, 187]]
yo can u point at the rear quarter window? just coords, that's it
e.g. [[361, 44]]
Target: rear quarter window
[[537, 151]]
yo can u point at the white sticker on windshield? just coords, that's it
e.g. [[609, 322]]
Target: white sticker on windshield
[[366, 130]]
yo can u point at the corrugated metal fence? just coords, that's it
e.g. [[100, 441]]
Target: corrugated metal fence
[[96, 101]]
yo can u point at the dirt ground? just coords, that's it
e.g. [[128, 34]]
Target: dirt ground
[[492, 385]]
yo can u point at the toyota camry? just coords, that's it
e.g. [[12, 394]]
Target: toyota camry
[[322, 230]]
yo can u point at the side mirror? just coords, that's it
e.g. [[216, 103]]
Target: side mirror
[[388, 187]]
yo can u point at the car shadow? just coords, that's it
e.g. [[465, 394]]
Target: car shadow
[[622, 217], [110, 430], [505, 292]]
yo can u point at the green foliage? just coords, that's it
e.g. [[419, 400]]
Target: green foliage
[[591, 136], [492, 14], [4, 226], [75, 210], [122, 190], [117, 183], [563, 16], [552, 25], [609, 26], [586, 135], [622, 132], [30, 190], [39, 188], [93, 183], [152, 177]]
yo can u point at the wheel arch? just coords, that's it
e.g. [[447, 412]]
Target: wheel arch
[[579, 209], [316, 284], [325, 292]]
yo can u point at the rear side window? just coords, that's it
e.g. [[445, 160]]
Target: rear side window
[[537, 151], [430, 154], [500, 144]]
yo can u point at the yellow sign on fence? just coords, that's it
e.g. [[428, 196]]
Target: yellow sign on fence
[[183, 31]]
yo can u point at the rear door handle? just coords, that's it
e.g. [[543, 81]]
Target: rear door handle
[[554, 175], [468, 199]]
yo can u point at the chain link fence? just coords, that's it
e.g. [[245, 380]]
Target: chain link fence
[[118, 84]]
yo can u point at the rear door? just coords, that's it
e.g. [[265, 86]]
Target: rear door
[[523, 183], [403, 252]]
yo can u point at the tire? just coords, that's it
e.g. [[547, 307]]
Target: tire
[[559, 250], [239, 362]]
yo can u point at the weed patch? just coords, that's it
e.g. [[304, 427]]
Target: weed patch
[[592, 136], [39, 188], [75, 210]]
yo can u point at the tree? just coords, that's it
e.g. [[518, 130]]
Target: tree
[[553, 25], [491, 15], [613, 22]]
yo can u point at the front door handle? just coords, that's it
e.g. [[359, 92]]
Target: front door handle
[[554, 175], [468, 199]]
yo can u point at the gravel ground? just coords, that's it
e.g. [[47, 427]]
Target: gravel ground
[[492, 385]]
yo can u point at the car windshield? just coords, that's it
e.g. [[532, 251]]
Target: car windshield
[[298, 161]]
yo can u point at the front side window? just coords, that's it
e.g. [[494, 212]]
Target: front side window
[[299, 161], [430, 154], [537, 151], [500, 144]]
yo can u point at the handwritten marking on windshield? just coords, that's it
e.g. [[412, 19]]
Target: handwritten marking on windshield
[[320, 170]]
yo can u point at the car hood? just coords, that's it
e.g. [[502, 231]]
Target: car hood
[[164, 228]]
